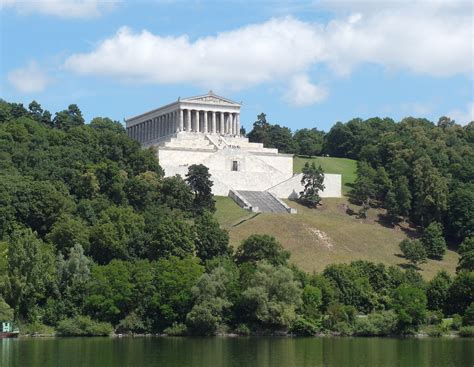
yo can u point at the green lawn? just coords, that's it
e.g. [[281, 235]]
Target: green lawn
[[343, 166], [228, 212], [318, 237]]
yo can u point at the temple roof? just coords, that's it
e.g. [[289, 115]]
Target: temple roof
[[211, 98]]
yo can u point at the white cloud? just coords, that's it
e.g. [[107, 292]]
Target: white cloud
[[463, 117], [61, 8], [436, 40], [29, 79], [302, 92], [236, 59]]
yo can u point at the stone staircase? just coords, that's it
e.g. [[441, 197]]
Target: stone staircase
[[260, 202]]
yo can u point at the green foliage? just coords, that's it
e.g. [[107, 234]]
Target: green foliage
[[273, 296], [83, 326], [67, 232], [466, 250], [261, 247], [466, 331], [211, 301], [461, 210], [433, 240], [309, 141], [437, 290], [31, 273], [198, 179], [414, 251], [364, 186], [177, 329], [114, 234], [304, 327], [173, 298], [110, 292], [312, 181], [468, 318], [176, 194], [383, 323], [132, 323], [312, 300], [409, 304], [461, 292], [211, 240], [6, 312], [169, 235], [352, 287]]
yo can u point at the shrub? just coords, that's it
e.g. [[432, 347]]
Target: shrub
[[382, 323], [343, 328], [457, 322], [36, 328], [468, 318], [132, 323], [83, 326], [304, 327], [434, 331], [243, 330], [177, 329], [466, 331]]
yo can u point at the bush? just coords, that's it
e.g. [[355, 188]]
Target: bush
[[343, 328], [382, 323], [83, 326], [36, 328], [468, 318], [177, 329], [466, 331], [132, 323], [434, 331], [457, 322], [243, 330], [304, 327]]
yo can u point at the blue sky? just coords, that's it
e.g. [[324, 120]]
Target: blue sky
[[305, 64]]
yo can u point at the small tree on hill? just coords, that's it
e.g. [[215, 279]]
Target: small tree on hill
[[433, 241], [414, 251], [198, 179], [313, 178]]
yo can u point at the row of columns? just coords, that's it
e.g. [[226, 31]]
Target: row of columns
[[208, 122]]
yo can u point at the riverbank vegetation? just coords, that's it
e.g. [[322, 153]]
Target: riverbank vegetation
[[94, 238]]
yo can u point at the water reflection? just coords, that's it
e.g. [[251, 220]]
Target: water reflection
[[230, 352]]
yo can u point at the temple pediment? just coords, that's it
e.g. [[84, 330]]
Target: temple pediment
[[211, 98]]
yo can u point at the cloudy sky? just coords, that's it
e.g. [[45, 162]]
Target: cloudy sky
[[305, 64]]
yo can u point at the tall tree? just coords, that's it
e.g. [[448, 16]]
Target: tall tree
[[198, 179], [312, 181]]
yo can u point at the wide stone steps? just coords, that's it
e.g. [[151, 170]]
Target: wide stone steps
[[263, 202]]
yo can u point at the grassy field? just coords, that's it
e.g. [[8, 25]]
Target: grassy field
[[318, 237], [345, 167]]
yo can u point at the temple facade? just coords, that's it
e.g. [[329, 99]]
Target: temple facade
[[208, 114], [206, 130]]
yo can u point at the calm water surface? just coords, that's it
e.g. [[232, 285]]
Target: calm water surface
[[248, 352]]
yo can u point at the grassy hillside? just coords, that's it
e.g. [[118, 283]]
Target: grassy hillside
[[328, 235], [345, 167]]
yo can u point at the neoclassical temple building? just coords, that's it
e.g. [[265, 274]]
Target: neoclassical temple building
[[208, 114], [206, 130]]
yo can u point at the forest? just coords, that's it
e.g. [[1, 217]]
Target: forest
[[95, 240]]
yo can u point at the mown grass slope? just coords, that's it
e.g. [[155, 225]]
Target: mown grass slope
[[318, 237]]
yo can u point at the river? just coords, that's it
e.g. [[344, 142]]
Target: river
[[227, 352]]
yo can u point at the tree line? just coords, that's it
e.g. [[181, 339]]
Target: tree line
[[94, 238]]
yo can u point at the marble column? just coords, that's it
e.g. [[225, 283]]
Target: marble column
[[205, 128], [222, 123], [188, 120], [237, 122], [213, 130], [181, 120], [197, 121]]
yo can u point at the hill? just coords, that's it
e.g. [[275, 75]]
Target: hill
[[317, 238]]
